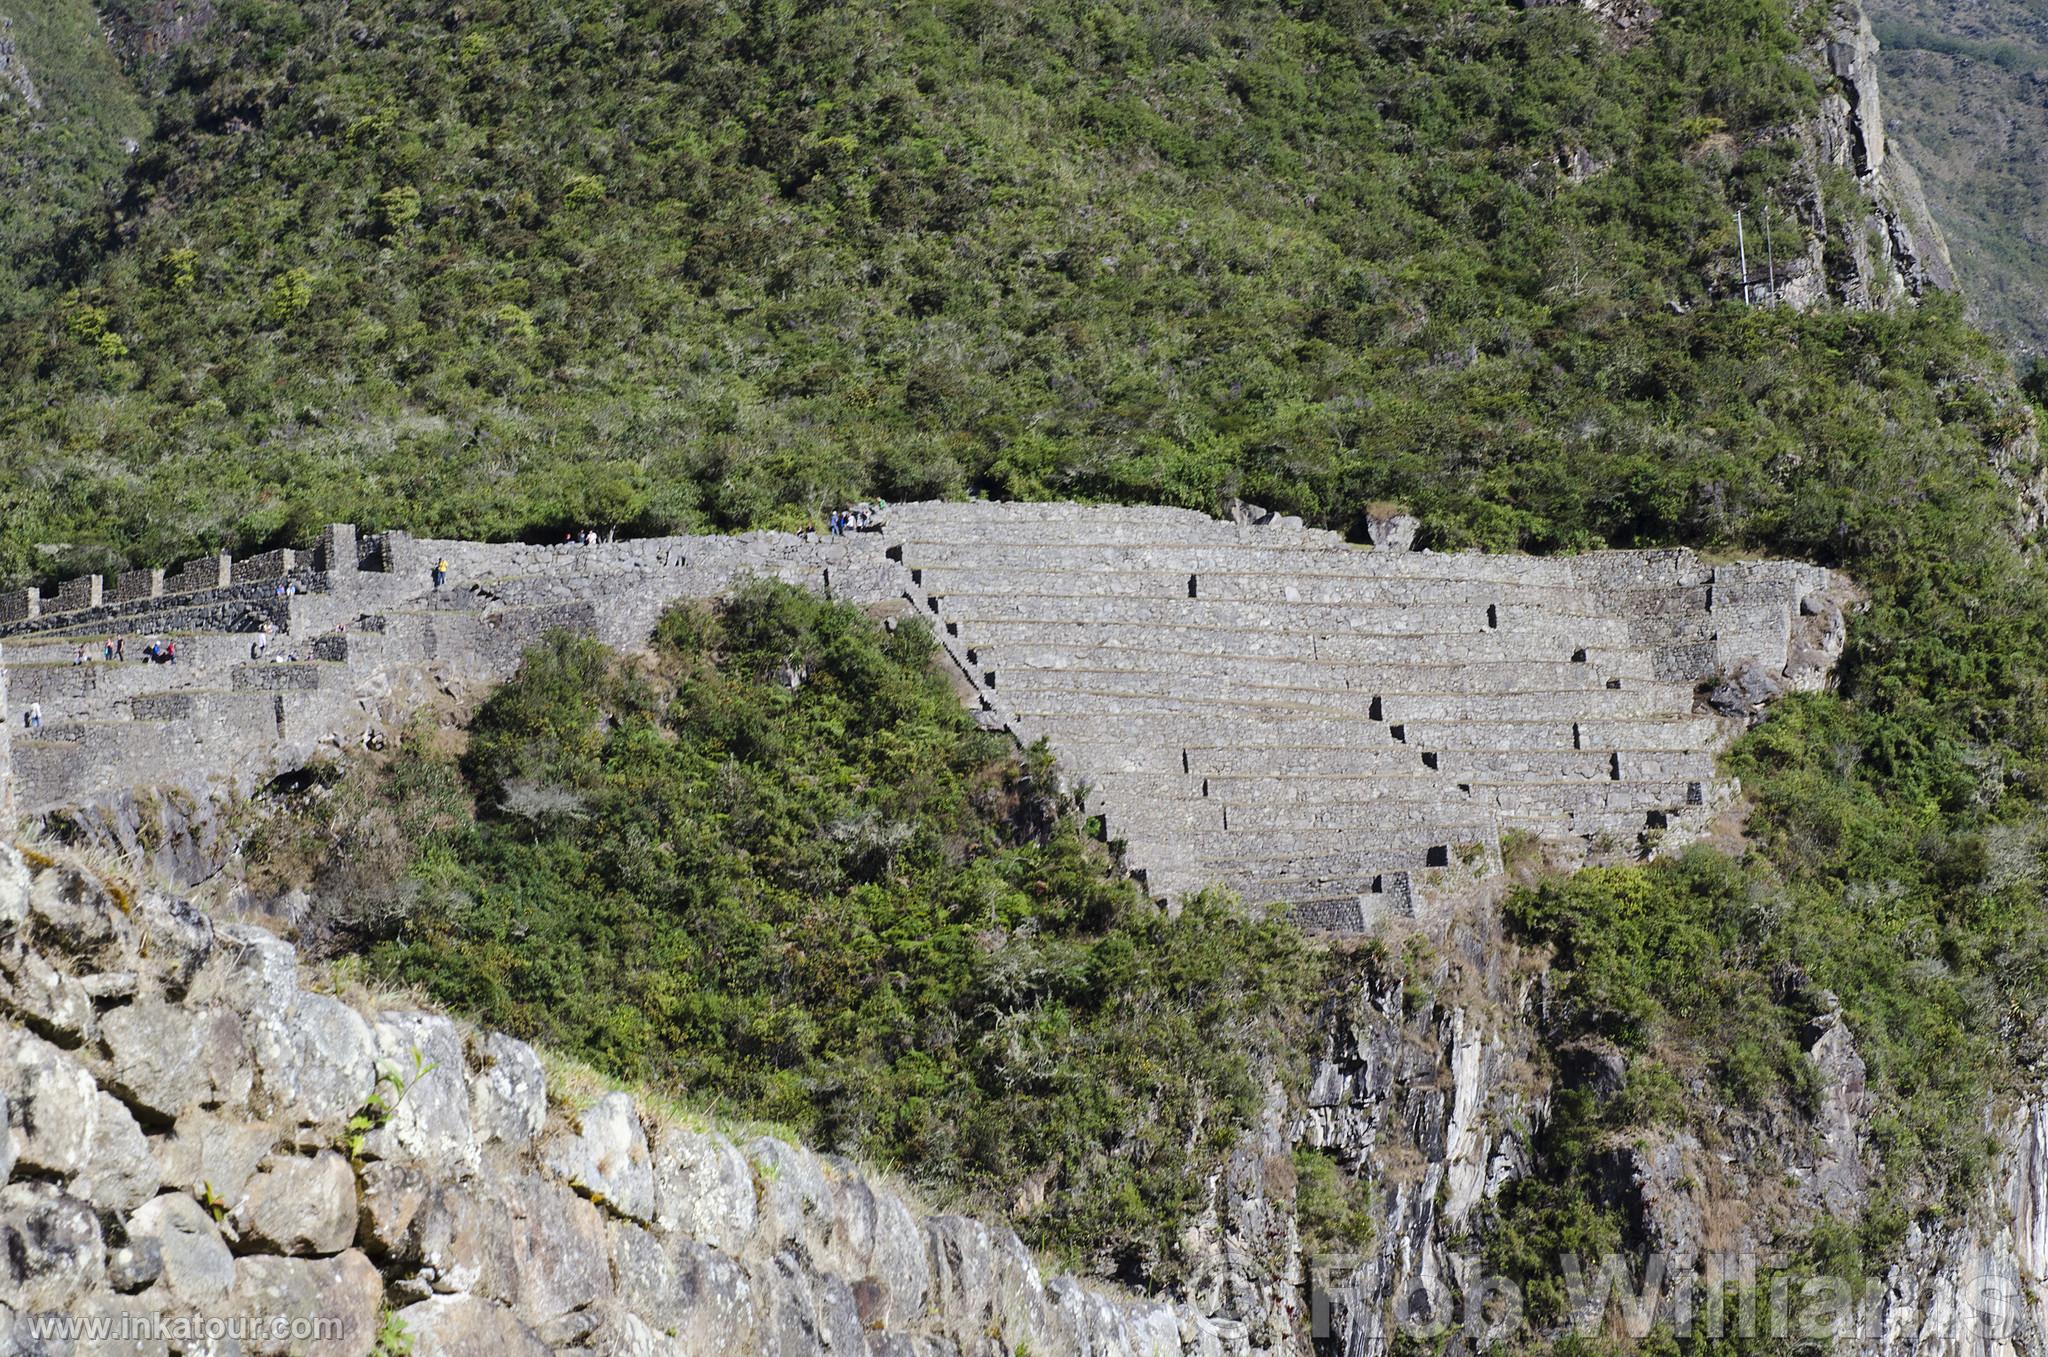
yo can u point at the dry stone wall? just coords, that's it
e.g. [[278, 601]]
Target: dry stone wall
[[204, 1152], [1349, 732]]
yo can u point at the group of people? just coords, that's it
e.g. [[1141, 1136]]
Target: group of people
[[857, 518], [115, 649], [586, 538]]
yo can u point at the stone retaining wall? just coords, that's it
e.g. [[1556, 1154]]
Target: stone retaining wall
[[1132, 639]]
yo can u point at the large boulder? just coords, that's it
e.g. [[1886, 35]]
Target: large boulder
[[310, 1307], [298, 1206], [328, 1068], [120, 1170], [207, 1153], [197, 1269], [53, 1106], [558, 1251], [165, 1060], [704, 1189], [607, 1159], [75, 915], [180, 941], [876, 1241], [419, 1059], [796, 1196], [54, 1004], [50, 1248], [462, 1240], [509, 1094], [467, 1326]]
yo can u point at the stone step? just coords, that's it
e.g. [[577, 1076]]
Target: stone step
[[1687, 733], [1412, 783], [1244, 853], [1092, 761], [1153, 819], [972, 611], [1486, 765], [1165, 641], [1308, 559], [1277, 588], [1481, 676], [1227, 702]]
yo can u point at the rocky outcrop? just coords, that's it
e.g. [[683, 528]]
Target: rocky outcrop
[[1891, 248], [202, 1146], [15, 85]]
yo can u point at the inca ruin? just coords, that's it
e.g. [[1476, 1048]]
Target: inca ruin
[[1246, 702]]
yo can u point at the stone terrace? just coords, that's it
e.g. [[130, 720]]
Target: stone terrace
[[1345, 730]]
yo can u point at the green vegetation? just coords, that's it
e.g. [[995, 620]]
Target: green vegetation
[[489, 270], [840, 907], [61, 159]]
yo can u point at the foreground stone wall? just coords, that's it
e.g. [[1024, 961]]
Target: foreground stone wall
[[199, 1140]]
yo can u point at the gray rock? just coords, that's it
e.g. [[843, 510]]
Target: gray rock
[[14, 887], [463, 1240], [419, 1055], [135, 1265], [53, 1004], [1394, 533], [704, 1189], [298, 1206], [468, 1326], [120, 1171], [558, 1252], [607, 1159], [330, 1068], [985, 1281], [198, 1270], [53, 1106], [50, 1248], [129, 1315], [796, 1198], [156, 1058], [206, 1151], [177, 938], [391, 1197], [876, 1240], [1746, 691], [250, 970], [716, 1307], [342, 1294], [509, 1095], [75, 915]]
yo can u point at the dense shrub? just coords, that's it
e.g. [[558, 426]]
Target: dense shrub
[[841, 907]]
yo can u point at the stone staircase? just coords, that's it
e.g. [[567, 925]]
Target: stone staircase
[[1349, 731]]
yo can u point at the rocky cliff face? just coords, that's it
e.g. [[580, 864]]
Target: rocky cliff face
[[1438, 1075], [1866, 236], [205, 1152]]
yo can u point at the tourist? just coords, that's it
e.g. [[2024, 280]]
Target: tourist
[[590, 537], [33, 717], [107, 651], [79, 658], [120, 648], [440, 572], [170, 652]]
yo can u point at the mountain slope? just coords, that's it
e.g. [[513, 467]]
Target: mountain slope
[[1967, 95], [538, 265]]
